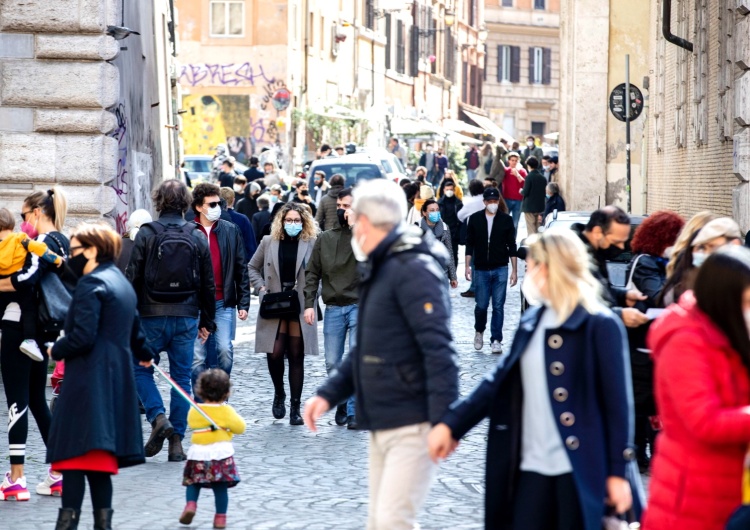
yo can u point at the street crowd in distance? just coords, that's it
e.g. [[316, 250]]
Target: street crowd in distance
[[631, 357]]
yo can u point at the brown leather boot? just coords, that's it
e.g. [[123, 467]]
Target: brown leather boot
[[176, 454], [161, 430]]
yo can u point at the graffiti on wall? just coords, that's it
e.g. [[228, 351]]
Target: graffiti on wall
[[120, 183], [231, 74]]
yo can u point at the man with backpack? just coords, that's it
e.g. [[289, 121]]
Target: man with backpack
[[170, 269]]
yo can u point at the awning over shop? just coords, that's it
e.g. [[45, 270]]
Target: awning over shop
[[460, 126], [403, 126], [489, 126], [338, 112], [555, 136], [455, 137]]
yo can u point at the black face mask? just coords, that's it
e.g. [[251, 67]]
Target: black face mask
[[611, 253], [341, 213], [76, 264]]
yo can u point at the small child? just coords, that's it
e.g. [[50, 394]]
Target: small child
[[14, 247], [210, 459]]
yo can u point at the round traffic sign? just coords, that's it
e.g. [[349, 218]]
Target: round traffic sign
[[617, 102]]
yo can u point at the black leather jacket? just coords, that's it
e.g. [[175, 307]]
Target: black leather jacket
[[202, 304], [233, 264]]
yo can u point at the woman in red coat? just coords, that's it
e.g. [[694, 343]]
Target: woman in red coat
[[701, 353]]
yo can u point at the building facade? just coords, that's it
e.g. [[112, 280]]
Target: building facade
[[83, 110], [522, 83]]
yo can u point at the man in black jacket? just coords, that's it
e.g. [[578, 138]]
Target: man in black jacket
[[449, 206], [170, 326], [261, 218], [533, 195], [490, 245], [404, 379], [230, 279]]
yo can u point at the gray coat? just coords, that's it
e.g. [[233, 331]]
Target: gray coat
[[265, 271]]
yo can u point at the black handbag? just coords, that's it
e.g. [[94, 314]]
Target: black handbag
[[54, 299], [280, 305]]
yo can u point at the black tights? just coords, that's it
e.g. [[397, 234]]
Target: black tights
[[289, 341], [100, 485]]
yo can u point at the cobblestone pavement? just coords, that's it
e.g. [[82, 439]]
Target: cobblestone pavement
[[291, 478]]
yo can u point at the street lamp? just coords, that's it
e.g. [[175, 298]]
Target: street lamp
[[449, 19], [483, 34]]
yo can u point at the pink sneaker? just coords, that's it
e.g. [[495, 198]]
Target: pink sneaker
[[52, 485], [14, 491], [220, 520]]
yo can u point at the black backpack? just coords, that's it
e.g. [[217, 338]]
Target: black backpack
[[172, 264]]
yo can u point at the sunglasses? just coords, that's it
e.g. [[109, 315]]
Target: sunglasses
[[24, 214], [213, 204]]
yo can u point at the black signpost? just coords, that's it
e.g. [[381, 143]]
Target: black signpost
[[626, 109]]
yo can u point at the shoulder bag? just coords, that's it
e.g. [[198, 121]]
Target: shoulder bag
[[283, 305], [54, 299]]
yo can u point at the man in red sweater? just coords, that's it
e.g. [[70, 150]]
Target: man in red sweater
[[515, 176]]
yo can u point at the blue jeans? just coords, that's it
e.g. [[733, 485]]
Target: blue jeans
[[337, 322], [219, 344], [176, 336], [471, 174], [514, 209], [490, 284]]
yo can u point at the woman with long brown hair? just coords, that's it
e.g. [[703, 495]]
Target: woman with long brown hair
[[279, 265]]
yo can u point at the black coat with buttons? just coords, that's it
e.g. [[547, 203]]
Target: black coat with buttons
[[590, 391]]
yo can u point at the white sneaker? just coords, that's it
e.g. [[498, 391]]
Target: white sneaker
[[478, 341], [30, 348], [51, 486], [14, 491], [497, 348]]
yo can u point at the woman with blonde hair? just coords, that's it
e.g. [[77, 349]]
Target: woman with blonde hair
[[278, 266], [560, 405], [485, 161], [450, 175]]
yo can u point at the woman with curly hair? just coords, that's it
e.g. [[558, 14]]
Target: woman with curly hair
[[648, 273], [279, 265]]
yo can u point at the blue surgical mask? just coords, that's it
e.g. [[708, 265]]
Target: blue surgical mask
[[434, 217], [274, 199], [699, 258], [548, 196], [292, 229]]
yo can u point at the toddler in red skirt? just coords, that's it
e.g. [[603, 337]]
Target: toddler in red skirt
[[210, 459]]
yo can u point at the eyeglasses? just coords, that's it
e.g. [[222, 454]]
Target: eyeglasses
[[24, 214], [293, 221], [213, 204]]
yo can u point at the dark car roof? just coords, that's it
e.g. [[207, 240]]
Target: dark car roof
[[353, 167]]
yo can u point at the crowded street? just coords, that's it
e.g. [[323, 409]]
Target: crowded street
[[291, 478]]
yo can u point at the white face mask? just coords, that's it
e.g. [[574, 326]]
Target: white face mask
[[699, 258], [359, 254], [213, 214], [530, 144], [448, 193], [492, 208], [531, 290], [237, 188]]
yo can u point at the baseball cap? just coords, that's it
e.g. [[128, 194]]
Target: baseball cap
[[491, 194], [721, 227]]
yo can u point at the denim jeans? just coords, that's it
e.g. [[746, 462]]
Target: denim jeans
[[176, 336], [488, 284], [219, 345], [514, 209], [337, 322], [471, 174]]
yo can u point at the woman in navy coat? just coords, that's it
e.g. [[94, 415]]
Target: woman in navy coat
[[560, 405], [96, 428]]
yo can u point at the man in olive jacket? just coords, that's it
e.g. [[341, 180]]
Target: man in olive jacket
[[333, 263], [534, 195]]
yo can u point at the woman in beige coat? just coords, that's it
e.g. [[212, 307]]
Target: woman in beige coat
[[279, 265]]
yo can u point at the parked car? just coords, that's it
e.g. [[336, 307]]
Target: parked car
[[354, 168], [393, 167], [198, 168], [617, 268]]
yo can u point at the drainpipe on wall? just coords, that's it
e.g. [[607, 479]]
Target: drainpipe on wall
[[644, 148], [666, 27]]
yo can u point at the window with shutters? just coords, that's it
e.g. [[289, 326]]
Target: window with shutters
[[473, 12], [725, 108], [507, 3], [388, 42], [515, 64], [538, 128], [449, 66], [503, 63], [370, 14], [465, 79], [414, 51], [700, 73], [681, 76], [400, 48], [536, 65], [227, 19], [659, 83], [540, 4], [546, 66]]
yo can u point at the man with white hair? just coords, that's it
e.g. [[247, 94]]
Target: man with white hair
[[405, 379]]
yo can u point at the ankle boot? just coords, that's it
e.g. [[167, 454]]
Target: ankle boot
[[67, 519], [175, 452], [103, 519], [278, 409], [189, 512], [294, 416], [161, 430]]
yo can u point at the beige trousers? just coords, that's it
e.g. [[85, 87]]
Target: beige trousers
[[401, 474], [532, 222]]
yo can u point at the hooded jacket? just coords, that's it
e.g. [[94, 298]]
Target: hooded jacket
[[326, 216], [703, 397], [408, 375]]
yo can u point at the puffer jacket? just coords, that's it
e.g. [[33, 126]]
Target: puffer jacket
[[326, 215], [409, 374], [703, 395]]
